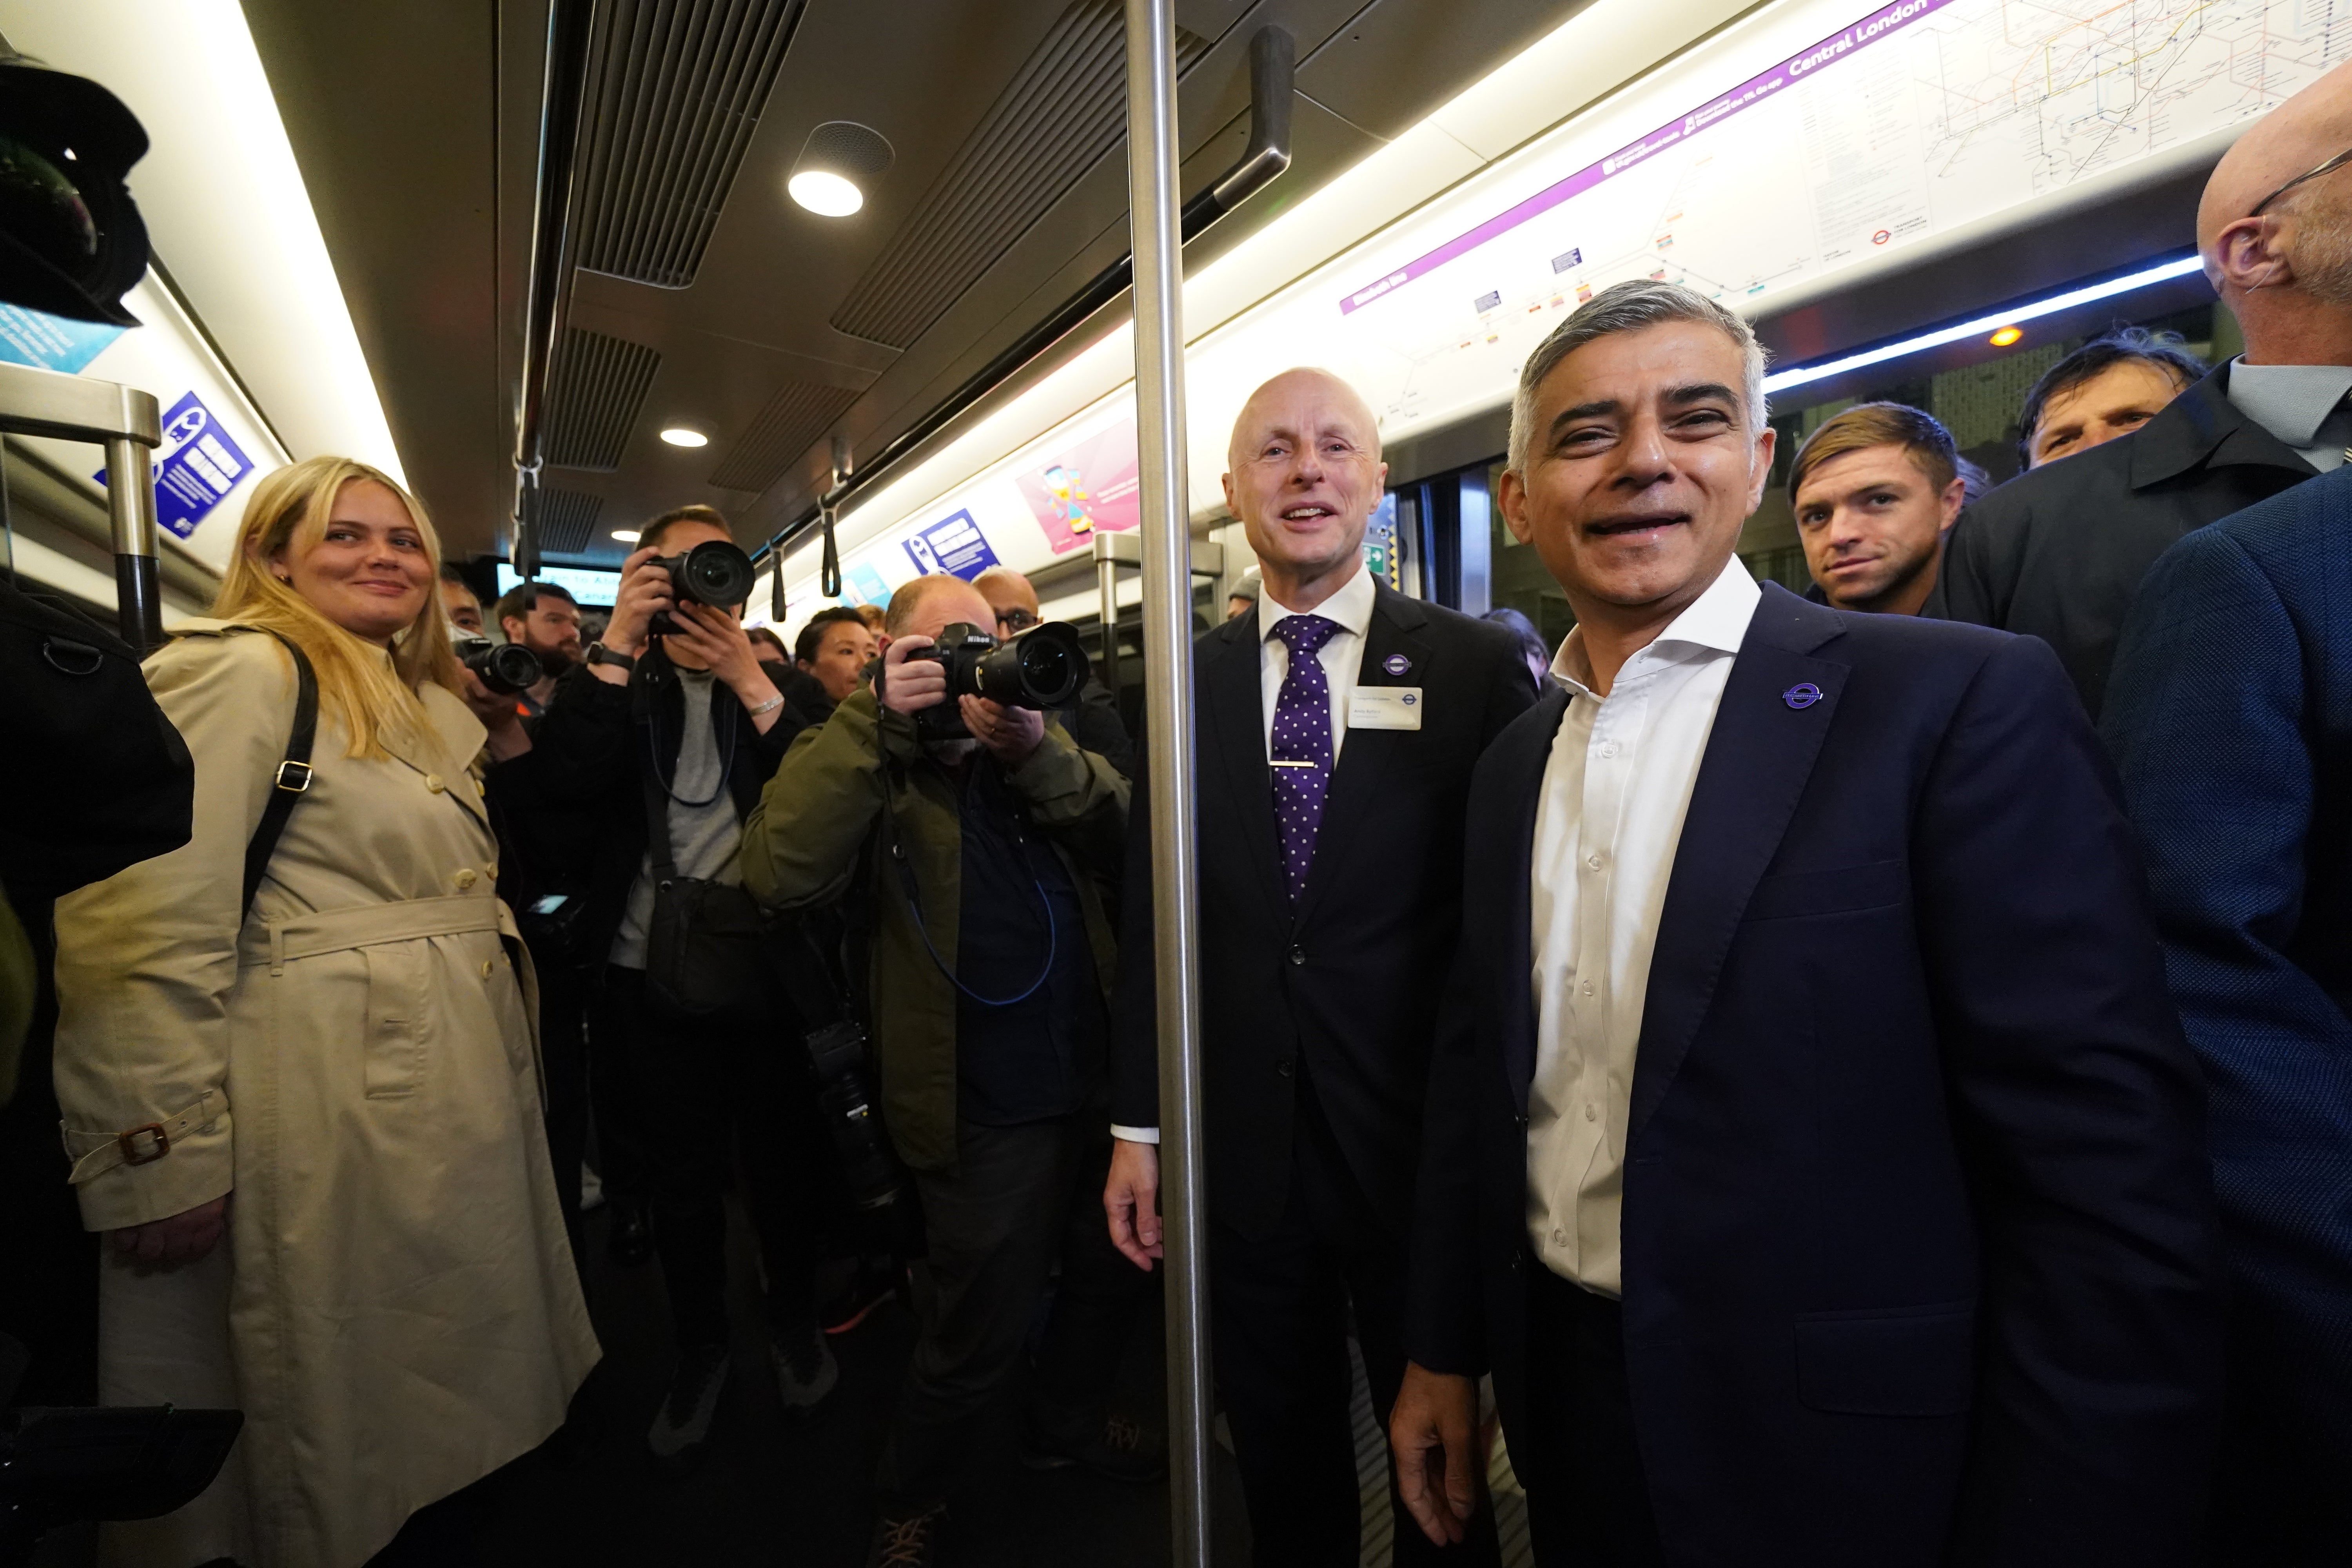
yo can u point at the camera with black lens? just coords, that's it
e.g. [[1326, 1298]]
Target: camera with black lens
[[1043, 668], [504, 667], [869, 1167], [714, 573]]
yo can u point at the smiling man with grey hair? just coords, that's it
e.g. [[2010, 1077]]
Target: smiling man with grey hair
[[1811, 1152], [1627, 308]]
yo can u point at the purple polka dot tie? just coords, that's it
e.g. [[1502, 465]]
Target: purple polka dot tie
[[1301, 754]]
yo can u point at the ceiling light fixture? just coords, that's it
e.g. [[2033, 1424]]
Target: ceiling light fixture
[[679, 435], [2006, 336], [839, 160], [626, 535]]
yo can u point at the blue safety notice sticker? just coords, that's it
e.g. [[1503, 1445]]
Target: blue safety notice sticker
[[863, 584], [952, 545], [195, 468]]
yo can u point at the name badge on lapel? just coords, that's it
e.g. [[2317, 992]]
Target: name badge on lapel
[[1384, 708]]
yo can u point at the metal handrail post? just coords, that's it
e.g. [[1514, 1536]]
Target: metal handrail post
[[1106, 587], [126, 423], [131, 508], [1168, 670]]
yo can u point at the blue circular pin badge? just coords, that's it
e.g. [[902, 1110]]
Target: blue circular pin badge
[[1396, 664], [1802, 695]]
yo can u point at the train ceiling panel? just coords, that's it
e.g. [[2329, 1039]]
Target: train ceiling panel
[[568, 521], [676, 95], [735, 300], [1060, 115], [796, 419], [598, 387]]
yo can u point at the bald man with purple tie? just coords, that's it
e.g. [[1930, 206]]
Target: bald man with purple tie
[[1338, 728]]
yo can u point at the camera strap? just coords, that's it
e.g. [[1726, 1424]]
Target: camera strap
[[897, 854], [291, 780]]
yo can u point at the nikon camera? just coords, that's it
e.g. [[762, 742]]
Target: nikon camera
[[1043, 668]]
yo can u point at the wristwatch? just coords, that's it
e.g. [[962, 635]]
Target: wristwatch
[[598, 654]]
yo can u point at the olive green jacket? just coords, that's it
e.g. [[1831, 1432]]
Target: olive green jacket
[[814, 833]]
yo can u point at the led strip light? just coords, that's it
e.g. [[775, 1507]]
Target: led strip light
[[2163, 272]]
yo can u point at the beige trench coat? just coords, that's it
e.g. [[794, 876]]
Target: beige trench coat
[[394, 1307]]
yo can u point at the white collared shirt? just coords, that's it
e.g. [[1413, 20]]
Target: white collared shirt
[[2301, 405], [1341, 657], [1351, 609], [1614, 793]]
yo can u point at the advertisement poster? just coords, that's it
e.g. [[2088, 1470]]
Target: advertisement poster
[[952, 544], [1090, 489]]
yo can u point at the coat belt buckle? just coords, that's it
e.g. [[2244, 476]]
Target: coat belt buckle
[[131, 1153]]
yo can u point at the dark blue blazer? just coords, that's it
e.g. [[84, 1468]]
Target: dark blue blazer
[[2231, 716], [1920, 1264], [1343, 991]]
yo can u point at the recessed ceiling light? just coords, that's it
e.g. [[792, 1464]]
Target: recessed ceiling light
[[679, 435], [840, 159], [2006, 336], [826, 194], [626, 535]]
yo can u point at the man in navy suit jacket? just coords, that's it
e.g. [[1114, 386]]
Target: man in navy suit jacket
[[2231, 716], [1835, 1192]]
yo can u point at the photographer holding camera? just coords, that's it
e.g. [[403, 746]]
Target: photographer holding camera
[[545, 619], [666, 732], [982, 833]]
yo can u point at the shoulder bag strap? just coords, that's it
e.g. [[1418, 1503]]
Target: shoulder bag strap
[[291, 780]]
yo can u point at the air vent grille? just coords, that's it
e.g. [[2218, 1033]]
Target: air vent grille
[[799, 412], [567, 521], [593, 399], [681, 90], [1064, 110]]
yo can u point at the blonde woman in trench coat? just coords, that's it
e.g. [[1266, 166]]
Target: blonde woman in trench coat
[[313, 1131]]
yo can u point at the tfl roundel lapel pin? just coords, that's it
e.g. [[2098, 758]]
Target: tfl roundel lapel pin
[[1802, 695], [1396, 664]]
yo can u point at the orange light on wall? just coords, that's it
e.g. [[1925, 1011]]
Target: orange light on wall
[[2006, 336]]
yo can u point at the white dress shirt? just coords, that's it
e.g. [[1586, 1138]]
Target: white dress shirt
[[1351, 609], [1614, 793], [2301, 405]]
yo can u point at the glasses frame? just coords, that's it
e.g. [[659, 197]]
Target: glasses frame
[[2329, 167], [1017, 620]]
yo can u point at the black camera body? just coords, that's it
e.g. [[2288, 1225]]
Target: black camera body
[[869, 1166], [713, 573], [504, 667], [1045, 667]]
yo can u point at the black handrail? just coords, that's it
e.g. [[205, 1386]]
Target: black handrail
[[1273, 68], [570, 28]]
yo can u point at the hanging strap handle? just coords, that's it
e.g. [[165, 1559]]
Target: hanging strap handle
[[291, 780], [828, 571]]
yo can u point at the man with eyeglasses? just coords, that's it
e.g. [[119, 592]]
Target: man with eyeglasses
[[1093, 719], [2059, 553]]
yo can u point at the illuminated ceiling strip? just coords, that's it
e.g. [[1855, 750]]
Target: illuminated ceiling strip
[[1798, 375]]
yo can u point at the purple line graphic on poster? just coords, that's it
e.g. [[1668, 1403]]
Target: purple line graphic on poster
[[1878, 26]]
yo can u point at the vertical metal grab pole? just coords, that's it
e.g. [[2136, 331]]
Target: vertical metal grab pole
[[1168, 669]]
